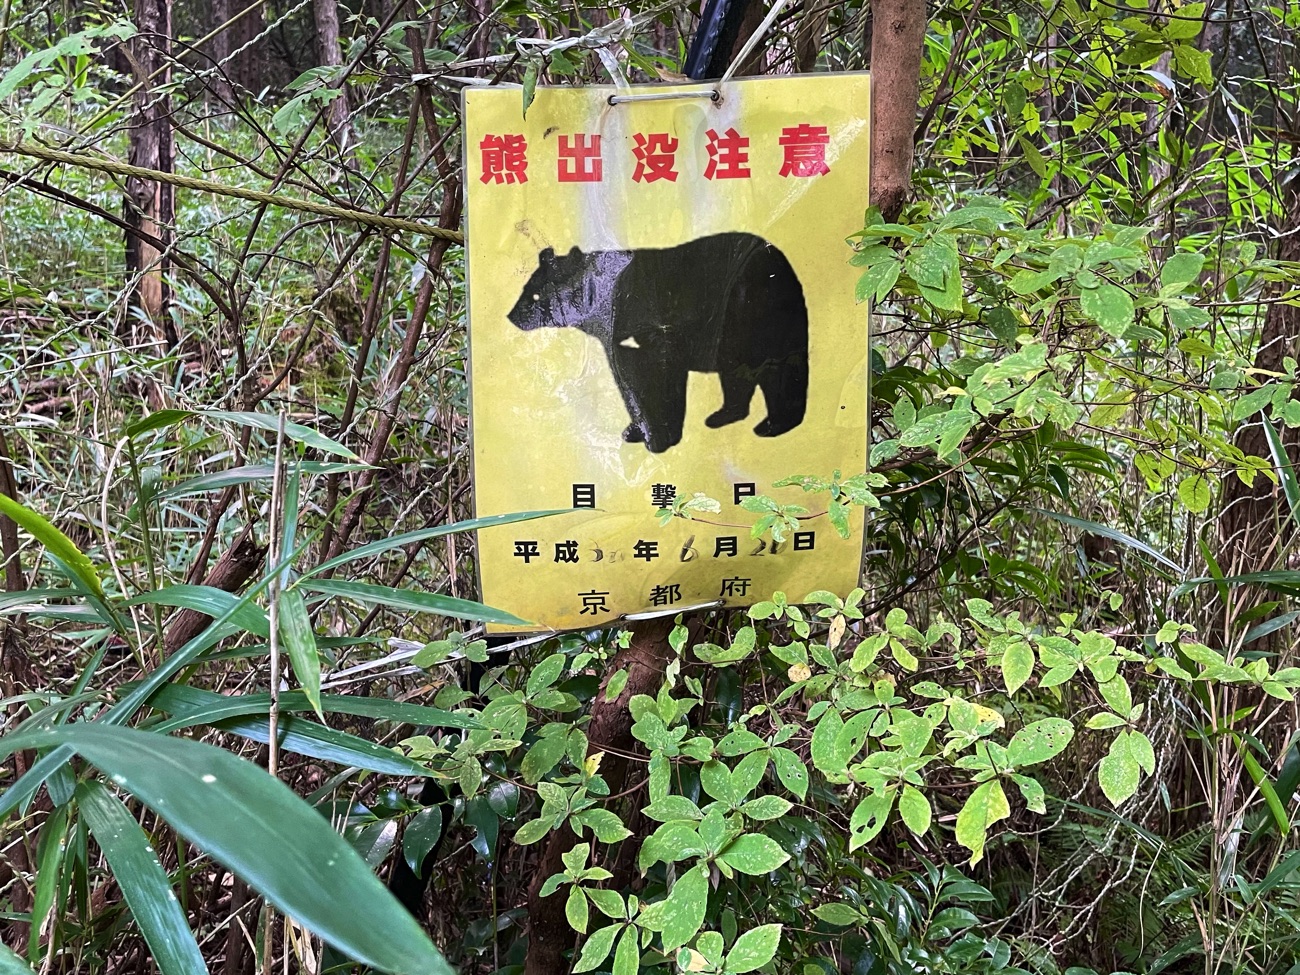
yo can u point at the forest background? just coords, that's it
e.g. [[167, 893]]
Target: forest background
[[249, 720]]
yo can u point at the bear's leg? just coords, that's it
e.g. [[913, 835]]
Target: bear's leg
[[785, 388], [737, 390], [633, 433], [668, 416]]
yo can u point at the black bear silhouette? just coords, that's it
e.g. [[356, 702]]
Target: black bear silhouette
[[727, 303]]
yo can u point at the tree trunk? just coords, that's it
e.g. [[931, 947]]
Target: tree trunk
[[610, 731], [150, 207], [1251, 523], [897, 33], [329, 53]]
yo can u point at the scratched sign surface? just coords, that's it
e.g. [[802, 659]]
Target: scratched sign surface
[[661, 305]]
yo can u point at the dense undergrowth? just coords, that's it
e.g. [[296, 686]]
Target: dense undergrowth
[[1052, 732]]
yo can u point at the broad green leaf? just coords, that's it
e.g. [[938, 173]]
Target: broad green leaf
[[1194, 492], [258, 828], [754, 854], [766, 807], [627, 956], [878, 280], [1181, 269], [1017, 665], [683, 910], [1105, 721], [1117, 694], [410, 601], [1109, 306], [12, 963], [1039, 741], [746, 776], [145, 886], [575, 909], [869, 818], [56, 543], [604, 823], [596, 948], [672, 808], [915, 810], [986, 806], [300, 641], [1142, 751], [841, 915], [826, 757], [753, 949], [533, 830], [545, 674], [1119, 772], [791, 770], [543, 756], [421, 836], [1035, 798]]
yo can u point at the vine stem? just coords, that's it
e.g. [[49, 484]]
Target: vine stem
[[273, 597]]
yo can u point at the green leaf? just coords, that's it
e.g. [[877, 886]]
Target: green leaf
[[415, 602], [869, 818], [791, 770], [12, 963], [209, 601], [915, 810], [753, 949], [58, 544], [533, 830], [766, 807], [1104, 721], [248, 474], [1254, 401], [1105, 531], [543, 756], [985, 806], [192, 705], [545, 674], [421, 836], [1017, 665], [596, 948], [840, 915], [145, 886], [258, 828], [575, 909], [1117, 694], [1194, 492], [627, 956], [1039, 741], [878, 280], [300, 640], [604, 823], [683, 910], [1181, 269], [754, 854], [424, 534], [1285, 469], [1119, 772], [49, 863], [1109, 306]]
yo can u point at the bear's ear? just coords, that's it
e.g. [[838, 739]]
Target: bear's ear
[[547, 256], [574, 252]]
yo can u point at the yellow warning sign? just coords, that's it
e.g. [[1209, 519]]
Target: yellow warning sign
[[661, 306]]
